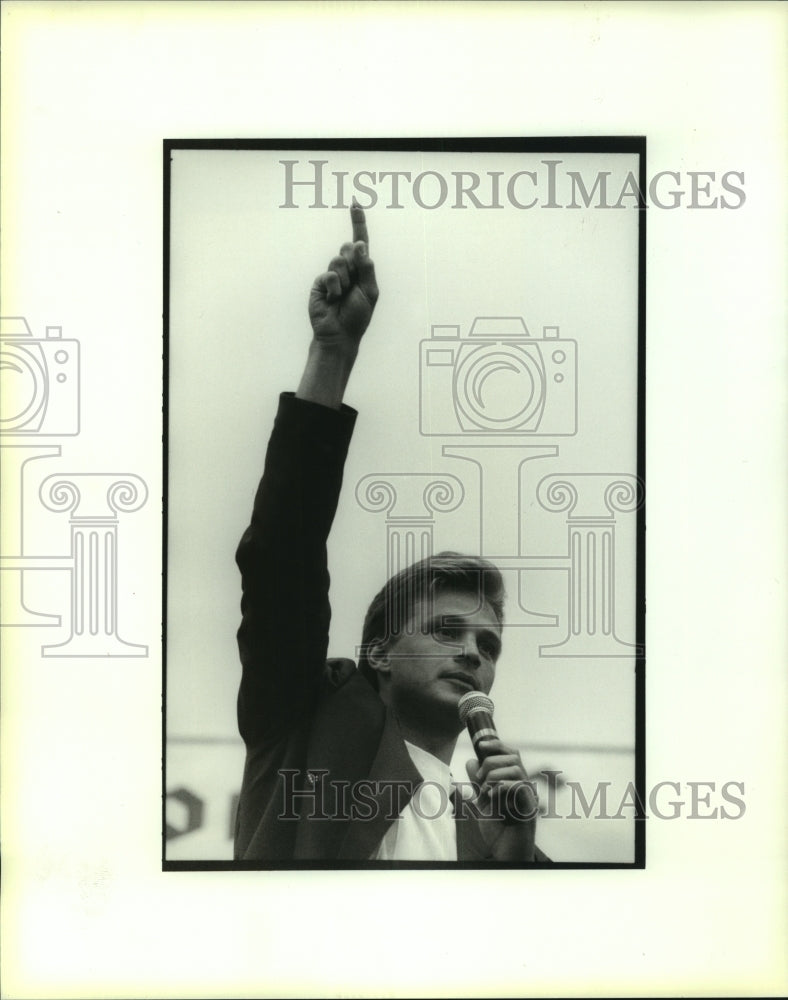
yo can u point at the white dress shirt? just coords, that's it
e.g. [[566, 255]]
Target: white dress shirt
[[425, 829]]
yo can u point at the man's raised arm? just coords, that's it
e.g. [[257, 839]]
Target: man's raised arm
[[283, 638]]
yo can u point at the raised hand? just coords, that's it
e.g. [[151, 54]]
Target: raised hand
[[341, 304], [343, 298]]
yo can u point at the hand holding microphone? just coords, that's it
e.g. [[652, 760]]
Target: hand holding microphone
[[507, 799]]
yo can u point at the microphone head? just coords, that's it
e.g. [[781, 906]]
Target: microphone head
[[472, 702]]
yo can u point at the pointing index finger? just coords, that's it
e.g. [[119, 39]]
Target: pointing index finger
[[359, 221]]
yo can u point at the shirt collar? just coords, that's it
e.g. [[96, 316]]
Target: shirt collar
[[430, 767]]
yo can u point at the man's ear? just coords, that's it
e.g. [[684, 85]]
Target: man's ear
[[378, 658]]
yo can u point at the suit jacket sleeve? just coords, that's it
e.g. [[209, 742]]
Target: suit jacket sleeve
[[285, 612]]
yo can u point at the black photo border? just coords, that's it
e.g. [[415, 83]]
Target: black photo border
[[498, 144]]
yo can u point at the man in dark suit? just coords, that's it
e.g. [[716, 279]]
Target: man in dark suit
[[345, 763]]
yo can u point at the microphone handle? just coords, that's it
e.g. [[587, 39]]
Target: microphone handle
[[481, 726]]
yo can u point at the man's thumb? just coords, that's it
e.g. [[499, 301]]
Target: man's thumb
[[472, 767]]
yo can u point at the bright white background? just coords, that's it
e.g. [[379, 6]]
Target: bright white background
[[89, 92]]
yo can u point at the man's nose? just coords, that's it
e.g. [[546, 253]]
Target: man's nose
[[469, 651]]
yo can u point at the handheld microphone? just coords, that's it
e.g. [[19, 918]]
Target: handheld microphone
[[476, 712]]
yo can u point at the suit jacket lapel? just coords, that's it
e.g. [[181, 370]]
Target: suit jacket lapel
[[393, 780]]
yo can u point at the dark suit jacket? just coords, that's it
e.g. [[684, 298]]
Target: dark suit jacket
[[311, 727]]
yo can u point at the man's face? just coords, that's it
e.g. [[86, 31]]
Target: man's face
[[453, 649]]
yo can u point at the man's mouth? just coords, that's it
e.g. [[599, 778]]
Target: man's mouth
[[468, 679]]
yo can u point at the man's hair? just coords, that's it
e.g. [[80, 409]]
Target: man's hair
[[391, 611]]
